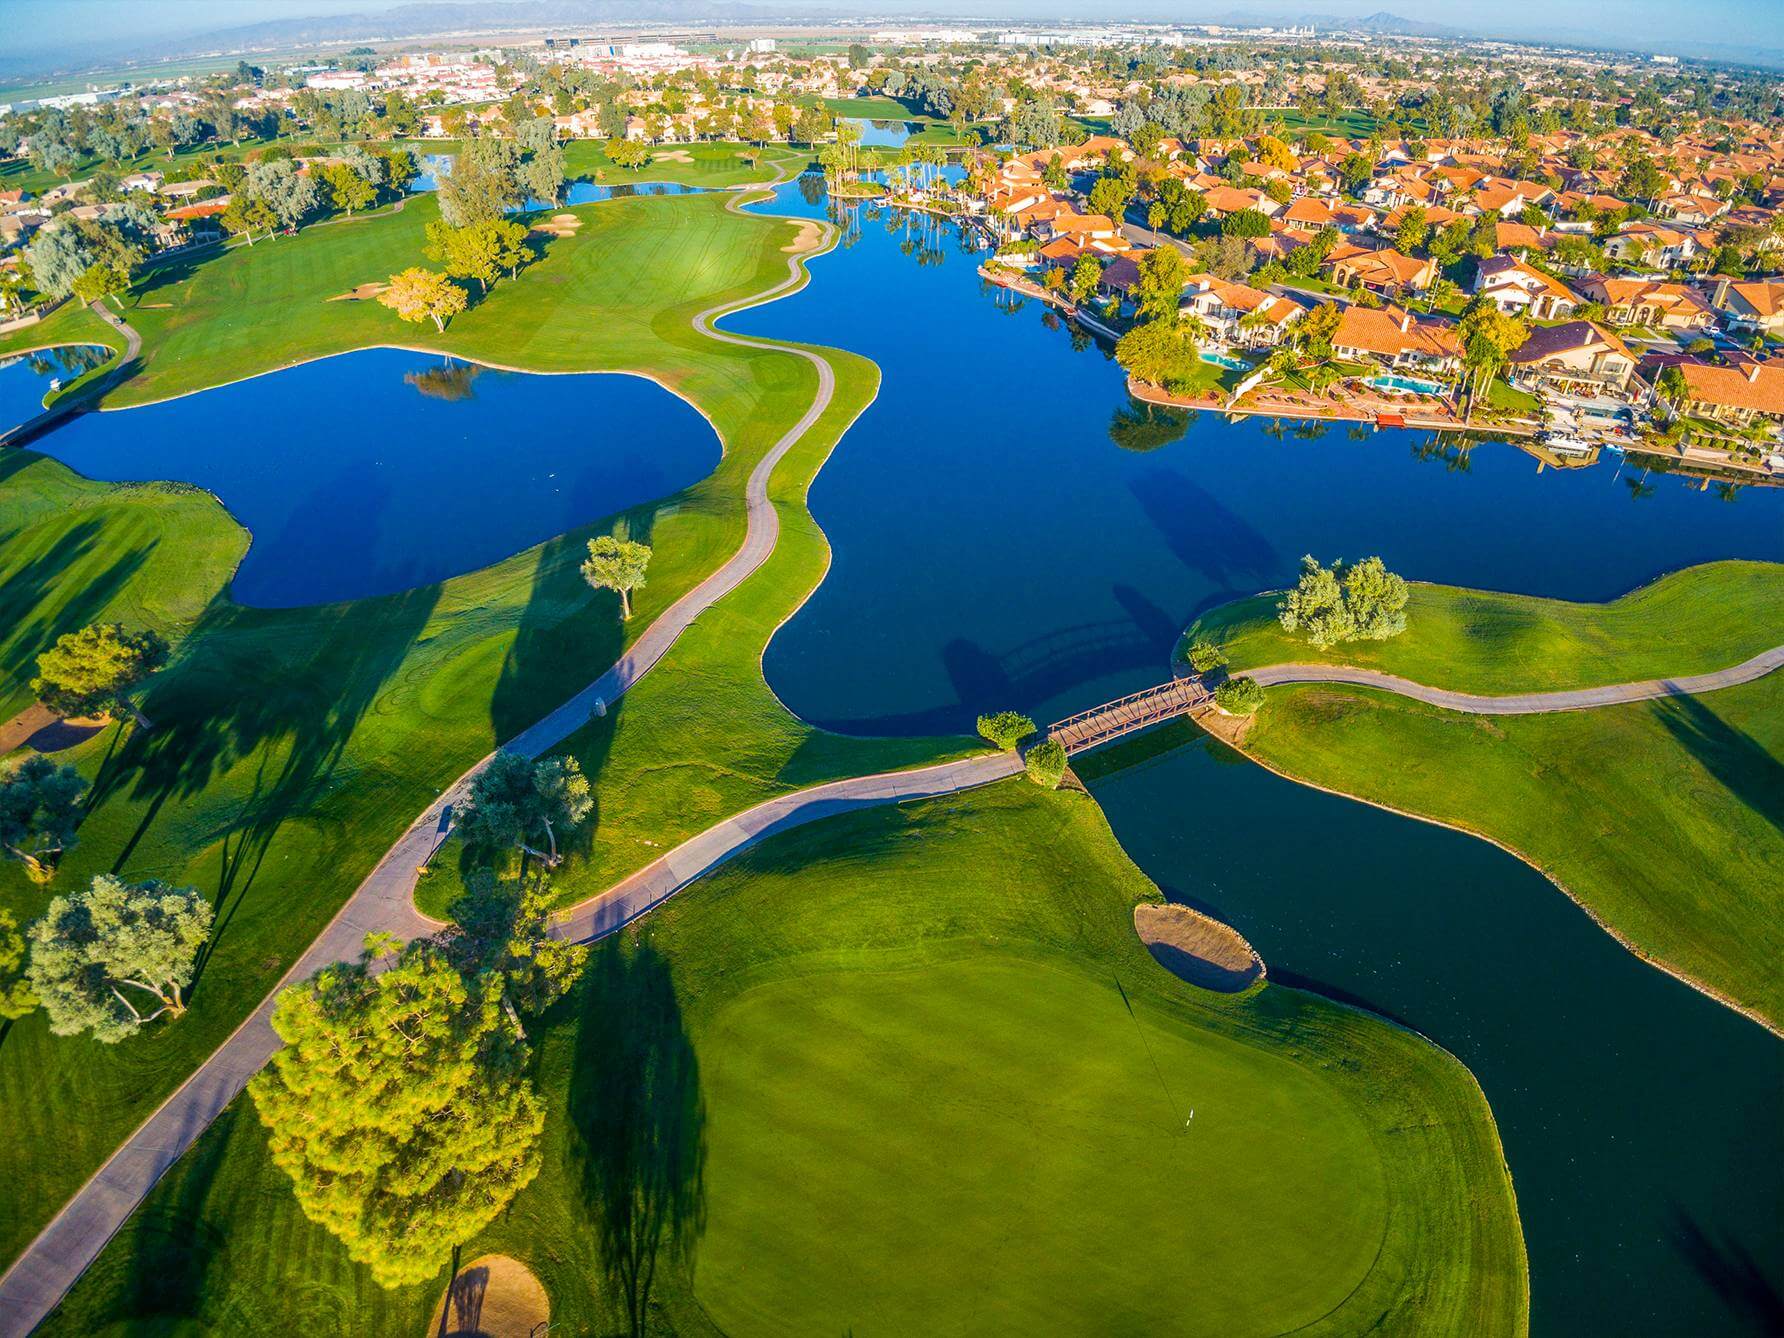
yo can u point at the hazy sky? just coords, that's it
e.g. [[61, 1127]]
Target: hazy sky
[[33, 26]]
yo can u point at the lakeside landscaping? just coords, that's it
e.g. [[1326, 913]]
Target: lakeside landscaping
[[1661, 818], [941, 1010], [291, 746]]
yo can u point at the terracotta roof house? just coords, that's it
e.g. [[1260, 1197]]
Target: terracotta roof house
[[1385, 271], [1509, 236], [1576, 356], [1395, 337], [1224, 199], [1652, 244], [1668, 306], [1756, 304], [1519, 289], [1689, 208], [1237, 313], [1737, 394]]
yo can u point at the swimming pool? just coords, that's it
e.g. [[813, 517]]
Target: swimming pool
[[1222, 360], [1406, 383]]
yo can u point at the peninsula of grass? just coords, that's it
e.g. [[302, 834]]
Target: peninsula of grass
[[1665, 819], [291, 746], [910, 1070], [1689, 622]]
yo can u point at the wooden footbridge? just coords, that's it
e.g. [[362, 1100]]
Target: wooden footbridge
[[1126, 715]]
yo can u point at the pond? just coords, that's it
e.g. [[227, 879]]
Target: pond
[[1010, 530], [380, 470], [580, 191], [883, 134], [27, 377]]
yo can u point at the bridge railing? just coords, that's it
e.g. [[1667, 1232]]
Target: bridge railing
[[1124, 715]]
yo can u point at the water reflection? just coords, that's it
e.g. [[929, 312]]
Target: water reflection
[[27, 378]]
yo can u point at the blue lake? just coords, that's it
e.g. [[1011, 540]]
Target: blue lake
[[882, 134], [581, 191], [28, 377], [377, 471], [1009, 530]]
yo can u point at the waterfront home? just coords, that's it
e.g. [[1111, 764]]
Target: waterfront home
[[1386, 271], [1665, 306], [1753, 305], [1083, 229], [1747, 391], [1521, 290], [1398, 339], [1576, 357], [1238, 315]]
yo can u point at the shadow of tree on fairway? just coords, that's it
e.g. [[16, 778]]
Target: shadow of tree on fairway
[[1729, 754], [639, 1120], [176, 1244]]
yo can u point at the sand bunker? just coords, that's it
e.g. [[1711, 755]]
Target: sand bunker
[[558, 225], [492, 1297], [810, 234], [671, 156], [364, 293], [1201, 950]]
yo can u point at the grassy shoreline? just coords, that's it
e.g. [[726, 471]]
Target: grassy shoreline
[[1663, 820]]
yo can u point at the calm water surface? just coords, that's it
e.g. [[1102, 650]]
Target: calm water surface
[[581, 191], [380, 470], [1010, 531], [27, 378]]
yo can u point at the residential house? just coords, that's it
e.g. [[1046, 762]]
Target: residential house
[[1652, 244], [1754, 305], [1735, 394], [1239, 315], [1695, 210], [1662, 305], [1386, 271], [1224, 199], [1521, 290], [1578, 356], [1398, 339]]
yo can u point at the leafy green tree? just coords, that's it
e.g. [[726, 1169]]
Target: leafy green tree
[[1110, 196], [517, 803], [421, 295], [1005, 729], [618, 565], [543, 175], [399, 1106], [1159, 289], [40, 812], [512, 252], [1239, 696], [248, 215], [1045, 763], [1162, 353], [483, 185], [627, 153], [1245, 223], [1086, 274], [1205, 656], [468, 252], [16, 999], [503, 926], [277, 183], [1315, 607], [1410, 235], [1671, 385], [347, 190], [96, 668], [1364, 602], [97, 955], [1376, 598]]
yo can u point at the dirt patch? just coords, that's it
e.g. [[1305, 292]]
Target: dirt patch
[[672, 156], [810, 234], [366, 292], [1229, 729], [1198, 948], [492, 1297], [558, 225]]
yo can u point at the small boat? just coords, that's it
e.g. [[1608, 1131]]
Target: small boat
[[1566, 443]]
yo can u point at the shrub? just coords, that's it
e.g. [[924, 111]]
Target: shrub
[[1006, 729], [1045, 763], [1239, 696], [1204, 656], [1363, 602]]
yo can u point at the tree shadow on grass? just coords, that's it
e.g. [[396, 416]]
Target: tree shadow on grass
[[1731, 755], [30, 624], [639, 1120], [175, 1245]]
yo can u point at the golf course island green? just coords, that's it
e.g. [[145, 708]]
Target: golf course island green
[[291, 747], [1671, 833], [926, 1037]]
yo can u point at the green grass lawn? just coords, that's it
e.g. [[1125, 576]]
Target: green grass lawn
[[910, 1071], [292, 746], [1688, 622], [70, 323]]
